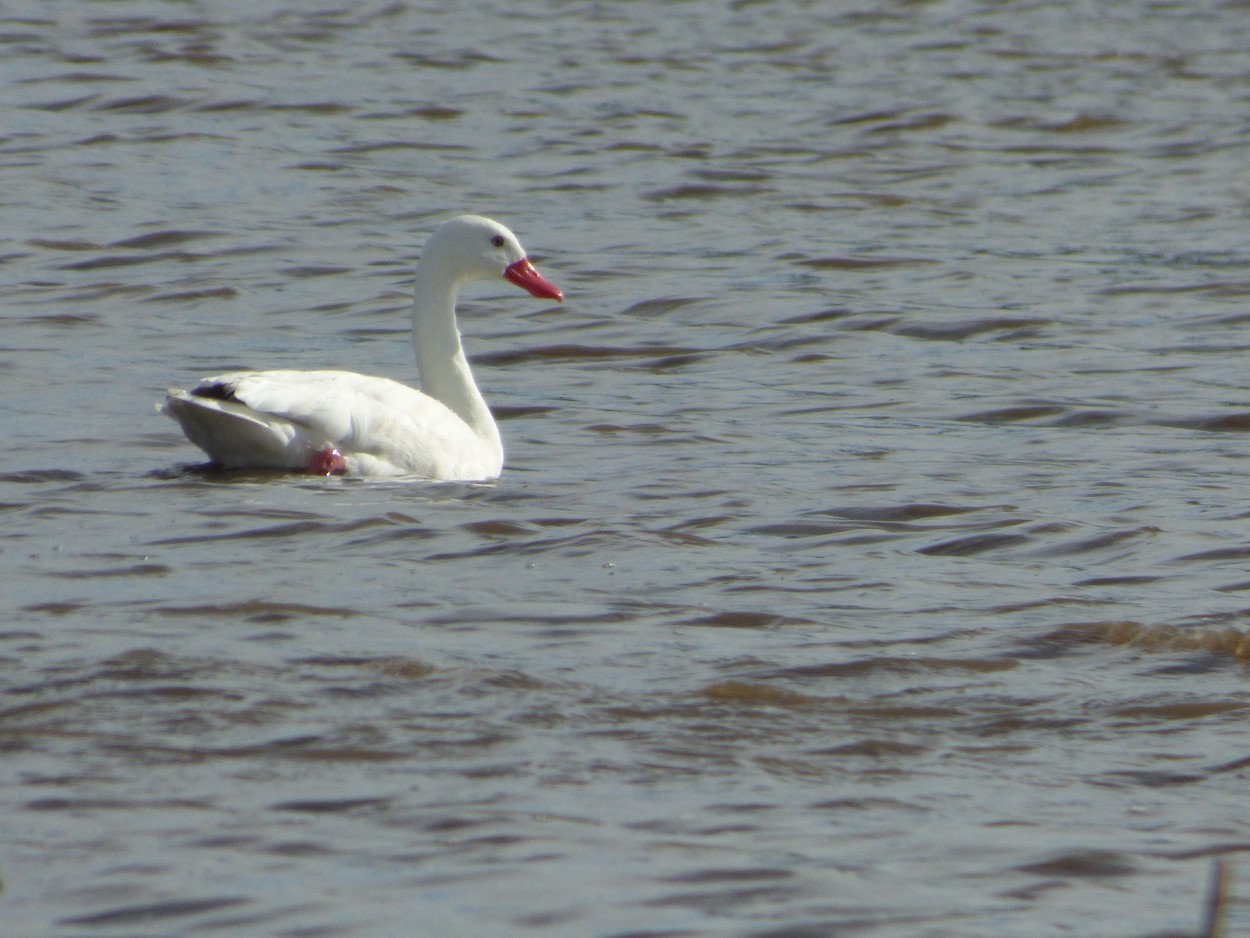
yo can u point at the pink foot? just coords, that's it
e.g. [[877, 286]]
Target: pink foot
[[328, 462]]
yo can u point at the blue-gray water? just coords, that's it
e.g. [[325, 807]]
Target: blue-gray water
[[872, 553]]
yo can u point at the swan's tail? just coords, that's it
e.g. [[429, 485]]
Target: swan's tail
[[232, 434]]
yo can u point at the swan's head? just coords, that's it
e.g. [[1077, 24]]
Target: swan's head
[[480, 248]]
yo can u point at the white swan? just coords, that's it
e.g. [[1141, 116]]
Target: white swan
[[335, 422]]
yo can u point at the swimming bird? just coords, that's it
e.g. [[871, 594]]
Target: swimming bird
[[339, 422]]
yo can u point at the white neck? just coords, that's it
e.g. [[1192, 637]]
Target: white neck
[[445, 374]]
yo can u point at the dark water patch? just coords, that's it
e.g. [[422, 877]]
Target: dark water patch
[[801, 529], [194, 296], [391, 666], [320, 270], [824, 315], [877, 749], [837, 805], [1090, 418], [1120, 580], [55, 608], [582, 543], [69, 320], [113, 804], [855, 263], [167, 694], [435, 112], [11, 716], [157, 239], [64, 104], [1226, 642], [890, 664], [130, 570], [1236, 765], [932, 121], [569, 352], [299, 750], [109, 291], [974, 544], [296, 529], [653, 431], [333, 806], [42, 476], [322, 108], [558, 621], [872, 322], [100, 140], [1177, 710], [141, 24], [743, 620], [63, 245], [674, 362], [876, 116], [715, 875], [395, 536], [1009, 329], [499, 529], [109, 261], [1151, 779], [130, 916], [1219, 288], [903, 515], [76, 78], [839, 925], [1204, 663], [703, 192], [1098, 542], [724, 174], [461, 60], [685, 539], [752, 694], [1238, 553], [1217, 849], [149, 664], [1220, 423], [1017, 414], [1080, 122], [360, 149], [575, 187], [1082, 865], [718, 900], [1235, 319], [145, 104], [633, 146], [660, 306], [260, 611]]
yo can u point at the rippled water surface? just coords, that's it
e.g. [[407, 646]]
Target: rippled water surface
[[872, 553]]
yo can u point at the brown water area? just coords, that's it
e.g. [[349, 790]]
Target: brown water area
[[872, 554]]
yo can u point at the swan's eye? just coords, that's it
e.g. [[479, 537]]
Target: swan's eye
[[497, 241]]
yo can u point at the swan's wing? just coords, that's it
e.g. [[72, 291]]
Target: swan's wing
[[386, 425], [234, 436]]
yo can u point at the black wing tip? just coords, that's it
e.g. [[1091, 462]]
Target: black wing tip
[[216, 391]]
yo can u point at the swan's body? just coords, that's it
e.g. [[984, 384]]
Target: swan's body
[[341, 422]]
